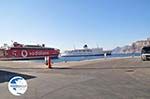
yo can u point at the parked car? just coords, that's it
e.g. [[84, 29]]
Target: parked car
[[145, 53]]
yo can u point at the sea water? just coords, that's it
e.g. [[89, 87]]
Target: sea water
[[66, 59]]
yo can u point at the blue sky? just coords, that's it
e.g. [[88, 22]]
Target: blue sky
[[67, 23]]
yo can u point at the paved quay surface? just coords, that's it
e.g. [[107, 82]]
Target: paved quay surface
[[126, 78]]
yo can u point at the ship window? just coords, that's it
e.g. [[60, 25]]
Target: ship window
[[89, 50]]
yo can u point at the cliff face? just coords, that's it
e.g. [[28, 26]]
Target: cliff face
[[134, 47]]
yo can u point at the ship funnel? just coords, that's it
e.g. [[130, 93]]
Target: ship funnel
[[85, 46], [43, 45]]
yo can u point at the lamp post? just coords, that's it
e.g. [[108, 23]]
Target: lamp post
[[134, 48]]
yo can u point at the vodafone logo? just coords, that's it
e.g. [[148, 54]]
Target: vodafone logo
[[24, 53]]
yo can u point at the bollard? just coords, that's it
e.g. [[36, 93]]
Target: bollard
[[49, 62]]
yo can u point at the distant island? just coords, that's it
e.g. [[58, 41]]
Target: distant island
[[135, 47]]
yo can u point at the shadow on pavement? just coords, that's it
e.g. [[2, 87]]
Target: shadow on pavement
[[5, 76]]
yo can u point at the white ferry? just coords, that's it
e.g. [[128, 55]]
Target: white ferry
[[85, 52]]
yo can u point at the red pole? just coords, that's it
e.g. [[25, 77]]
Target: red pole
[[49, 62]]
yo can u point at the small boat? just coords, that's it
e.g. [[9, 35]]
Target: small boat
[[27, 52], [85, 51]]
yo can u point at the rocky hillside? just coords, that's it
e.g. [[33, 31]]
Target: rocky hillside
[[134, 47]]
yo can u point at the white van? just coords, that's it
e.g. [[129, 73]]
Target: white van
[[145, 53]]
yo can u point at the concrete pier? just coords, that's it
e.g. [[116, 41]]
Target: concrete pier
[[119, 78]]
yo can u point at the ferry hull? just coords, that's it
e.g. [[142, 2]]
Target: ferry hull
[[86, 52], [84, 55], [27, 58], [28, 53]]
